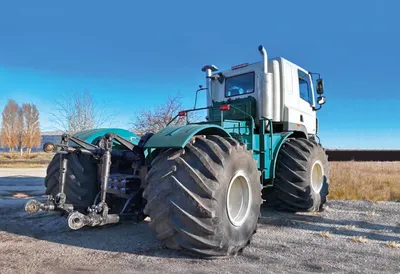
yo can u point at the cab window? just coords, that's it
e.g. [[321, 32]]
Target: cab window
[[305, 87], [239, 84]]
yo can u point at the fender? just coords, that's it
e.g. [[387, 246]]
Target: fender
[[179, 136], [276, 149], [91, 136]]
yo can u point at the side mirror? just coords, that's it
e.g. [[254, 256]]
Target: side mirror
[[320, 86], [321, 100]]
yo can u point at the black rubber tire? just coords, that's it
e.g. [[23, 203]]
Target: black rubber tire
[[81, 185], [186, 197], [292, 189]]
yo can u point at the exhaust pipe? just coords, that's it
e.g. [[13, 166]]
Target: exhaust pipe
[[263, 52], [266, 91]]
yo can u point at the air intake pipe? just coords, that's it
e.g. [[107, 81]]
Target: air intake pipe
[[266, 87], [209, 69]]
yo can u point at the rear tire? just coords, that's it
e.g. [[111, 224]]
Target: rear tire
[[81, 186], [204, 199], [302, 176]]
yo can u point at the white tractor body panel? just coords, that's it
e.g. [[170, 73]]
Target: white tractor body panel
[[288, 100], [297, 110]]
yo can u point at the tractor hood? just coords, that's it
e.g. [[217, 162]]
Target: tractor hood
[[92, 135]]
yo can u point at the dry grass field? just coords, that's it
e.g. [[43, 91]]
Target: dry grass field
[[15, 160], [373, 181]]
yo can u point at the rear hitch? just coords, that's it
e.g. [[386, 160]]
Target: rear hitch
[[52, 204], [33, 206], [98, 213], [77, 220]]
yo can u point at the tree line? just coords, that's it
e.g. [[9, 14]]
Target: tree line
[[20, 128]]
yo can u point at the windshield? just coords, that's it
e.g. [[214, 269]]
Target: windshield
[[239, 84]]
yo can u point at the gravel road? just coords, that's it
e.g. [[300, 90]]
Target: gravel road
[[348, 237]]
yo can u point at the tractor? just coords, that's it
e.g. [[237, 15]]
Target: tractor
[[202, 184]]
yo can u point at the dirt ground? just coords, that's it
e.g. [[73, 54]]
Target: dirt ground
[[348, 237]]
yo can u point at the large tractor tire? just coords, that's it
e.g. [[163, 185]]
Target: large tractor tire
[[204, 199], [301, 177], [81, 185]]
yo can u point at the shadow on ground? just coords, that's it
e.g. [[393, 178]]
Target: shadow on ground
[[13, 189]]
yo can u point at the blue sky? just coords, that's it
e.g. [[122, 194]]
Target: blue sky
[[134, 54]]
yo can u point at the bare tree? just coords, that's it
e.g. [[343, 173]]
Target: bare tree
[[9, 125], [32, 126], [157, 118], [20, 130], [79, 111]]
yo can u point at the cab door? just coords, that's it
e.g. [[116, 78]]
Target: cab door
[[306, 101]]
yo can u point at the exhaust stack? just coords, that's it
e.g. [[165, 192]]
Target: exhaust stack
[[277, 92], [266, 91]]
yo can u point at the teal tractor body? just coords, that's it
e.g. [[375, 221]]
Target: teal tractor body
[[202, 183], [265, 146], [92, 136]]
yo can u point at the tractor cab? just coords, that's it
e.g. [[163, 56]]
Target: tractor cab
[[273, 89]]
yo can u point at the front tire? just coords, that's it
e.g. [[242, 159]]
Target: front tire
[[302, 176], [81, 185], [204, 199]]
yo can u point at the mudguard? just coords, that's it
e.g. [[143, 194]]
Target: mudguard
[[276, 149], [91, 136], [179, 136]]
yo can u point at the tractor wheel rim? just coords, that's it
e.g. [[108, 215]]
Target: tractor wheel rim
[[238, 199], [317, 176]]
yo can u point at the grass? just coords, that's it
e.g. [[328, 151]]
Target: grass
[[373, 181], [393, 244], [15, 160], [349, 227], [325, 234], [359, 239]]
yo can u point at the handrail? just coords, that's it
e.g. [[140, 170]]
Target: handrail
[[252, 127], [186, 111], [246, 114]]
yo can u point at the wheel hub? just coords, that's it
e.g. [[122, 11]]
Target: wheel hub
[[317, 176], [238, 199]]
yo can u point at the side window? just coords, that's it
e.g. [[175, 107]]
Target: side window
[[305, 87]]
